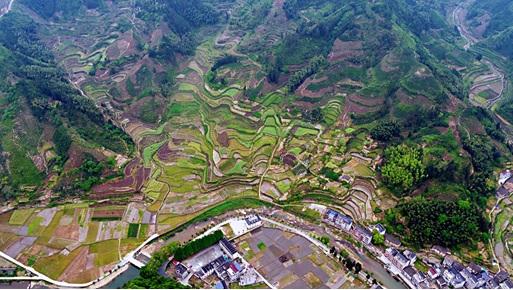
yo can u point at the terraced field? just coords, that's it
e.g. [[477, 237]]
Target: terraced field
[[204, 146]]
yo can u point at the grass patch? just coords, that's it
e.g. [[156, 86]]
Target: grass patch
[[106, 219], [34, 227], [92, 232], [182, 109], [47, 234], [22, 169], [301, 131], [53, 266], [143, 231], [149, 151], [261, 246], [421, 266], [20, 216], [106, 252], [260, 285]]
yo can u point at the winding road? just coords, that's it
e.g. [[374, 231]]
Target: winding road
[[459, 17]]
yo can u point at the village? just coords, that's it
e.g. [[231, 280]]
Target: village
[[401, 262], [240, 257]]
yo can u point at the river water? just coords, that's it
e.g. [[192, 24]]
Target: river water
[[118, 282]]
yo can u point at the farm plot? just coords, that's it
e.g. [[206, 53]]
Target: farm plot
[[288, 260]]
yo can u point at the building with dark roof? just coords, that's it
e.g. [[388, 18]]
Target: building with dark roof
[[482, 279], [474, 268], [470, 279], [501, 276], [252, 219], [442, 251], [440, 281], [457, 266], [362, 234], [506, 284], [433, 272], [418, 278], [338, 220], [181, 271], [397, 258], [411, 256], [379, 228], [506, 188], [209, 268], [409, 272], [7, 268], [492, 284], [228, 248], [448, 261], [392, 241]]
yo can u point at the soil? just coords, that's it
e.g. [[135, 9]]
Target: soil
[[343, 50]]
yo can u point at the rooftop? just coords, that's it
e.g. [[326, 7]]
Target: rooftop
[[410, 271], [392, 239], [252, 219], [228, 246]]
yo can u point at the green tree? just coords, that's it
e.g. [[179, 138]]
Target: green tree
[[403, 167], [385, 131], [440, 222], [377, 239]]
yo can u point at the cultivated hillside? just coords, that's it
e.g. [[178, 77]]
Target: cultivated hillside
[[150, 114]]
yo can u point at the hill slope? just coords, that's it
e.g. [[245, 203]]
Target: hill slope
[[171, 111]]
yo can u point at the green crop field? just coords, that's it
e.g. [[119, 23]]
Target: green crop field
[[125, 120], [20, 216], [106, 252], [133, 230]]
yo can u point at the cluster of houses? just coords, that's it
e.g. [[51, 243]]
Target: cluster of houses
[[346, 224], [449, 274], [220, 265], [361, 233]]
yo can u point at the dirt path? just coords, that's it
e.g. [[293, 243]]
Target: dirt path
[[269, 163]]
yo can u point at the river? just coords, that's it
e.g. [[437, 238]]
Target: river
[[118, 282]]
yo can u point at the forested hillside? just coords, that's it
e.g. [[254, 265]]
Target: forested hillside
[[42, 113], [492, 20]]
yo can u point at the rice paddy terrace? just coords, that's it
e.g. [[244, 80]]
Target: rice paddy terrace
[[209, 148], [218, 123]]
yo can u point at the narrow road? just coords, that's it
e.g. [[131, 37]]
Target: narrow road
[[129, 258], [458, 17], [6, 10], [492, 217], [41, 276]]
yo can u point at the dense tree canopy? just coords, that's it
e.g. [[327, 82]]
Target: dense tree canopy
[[385, 131], [403, 167], [443, 223], [149, 276], [198, 245]]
